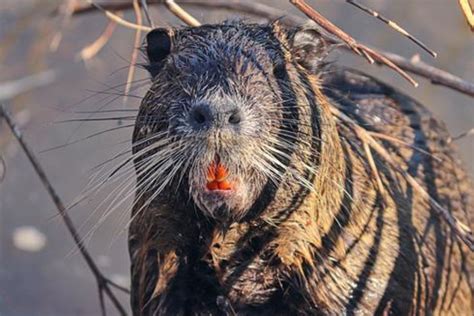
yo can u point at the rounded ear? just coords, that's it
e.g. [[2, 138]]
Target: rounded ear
[[309, 48], [158, 47]]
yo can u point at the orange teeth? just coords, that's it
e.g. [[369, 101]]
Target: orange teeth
[[216, 177], [211, 172], [214, 185], [225, 185], [221, 173]]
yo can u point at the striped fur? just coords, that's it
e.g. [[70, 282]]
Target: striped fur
[[322, 239]]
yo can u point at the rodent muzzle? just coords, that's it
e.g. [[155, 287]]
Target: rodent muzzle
[[207, 116]]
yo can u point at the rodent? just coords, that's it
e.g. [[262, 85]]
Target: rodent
[[252, 198]]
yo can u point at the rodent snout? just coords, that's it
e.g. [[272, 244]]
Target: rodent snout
[[206, 116]]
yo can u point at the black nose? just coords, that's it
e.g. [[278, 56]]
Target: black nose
[[207, 116], [201, 115]]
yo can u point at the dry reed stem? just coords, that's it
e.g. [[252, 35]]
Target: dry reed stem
[[133, 60], [468, 12], [460, 229], [462, 135], [103, 283], [373, 167], [67, 10], [435, 75], [404, 143], [144, 5], [360, 49], [91, 50], [114, 17], [182, 14], [393, 25]]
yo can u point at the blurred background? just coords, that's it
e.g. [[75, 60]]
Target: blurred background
[[41, 272]]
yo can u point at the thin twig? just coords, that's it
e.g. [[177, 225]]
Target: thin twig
[[435, 75], [3, 169], [146, 10], [462, 135], [399, 141], [102, 281], [358, 48], [67, 10], [94, 48], [103, 309], [181, 13], [118, 286], [468, 12], [133, 61], [118, 19], [393, 25], [11, 89], [459, 228], [243, 6], [373, 167]]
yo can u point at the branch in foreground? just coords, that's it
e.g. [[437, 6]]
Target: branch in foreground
[[468, 12], [393, 25], [182, 14], [133, 58], [460, 229], [11, 89], [103, 283], [435, 75], [3, 168], [370, 54]]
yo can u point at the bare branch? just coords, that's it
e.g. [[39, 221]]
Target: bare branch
[[462, 135], [118, 19], [133, 61], [356, 47], [459, 228], [243, 6], [181, 13], [468, 12], [11, 89], [435, 75], [66, 9], [147, 13], [3, 169], [399, 141], [94, 48], [102, 281], [393, 25]]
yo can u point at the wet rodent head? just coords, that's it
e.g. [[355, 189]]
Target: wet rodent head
[[227, 114]]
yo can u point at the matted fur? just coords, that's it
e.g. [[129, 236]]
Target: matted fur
[[312, 234]]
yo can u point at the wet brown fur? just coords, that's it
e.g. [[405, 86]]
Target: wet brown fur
[[344, 247]]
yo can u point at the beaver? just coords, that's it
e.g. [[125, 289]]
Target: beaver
[[252, 197]]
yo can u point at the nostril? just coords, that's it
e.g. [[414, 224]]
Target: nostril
[[235, 117], [199, 115]]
